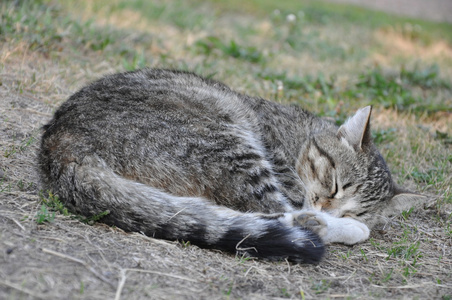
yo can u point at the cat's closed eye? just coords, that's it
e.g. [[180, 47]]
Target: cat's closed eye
[[347, 185], [353, 215]]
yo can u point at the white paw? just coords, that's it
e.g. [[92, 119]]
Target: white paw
[[347, 231], [331, 229]]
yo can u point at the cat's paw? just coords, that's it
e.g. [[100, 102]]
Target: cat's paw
[[357, 232], [346, 231], [332, 229], [313, 221]]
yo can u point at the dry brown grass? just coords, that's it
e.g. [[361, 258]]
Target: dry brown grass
[[406, 258]]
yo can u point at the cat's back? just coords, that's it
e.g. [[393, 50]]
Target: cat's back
[[148, 92], [153, 125], [150, 100]]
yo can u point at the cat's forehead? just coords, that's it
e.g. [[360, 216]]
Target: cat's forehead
[[347, 162], [330, 144]]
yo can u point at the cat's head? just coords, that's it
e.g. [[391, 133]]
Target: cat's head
[[344, 174]]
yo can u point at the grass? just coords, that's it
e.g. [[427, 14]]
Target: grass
[[329, 58], [209, 44], [52, 204], [319, 12], [18, 147], [44, 215]]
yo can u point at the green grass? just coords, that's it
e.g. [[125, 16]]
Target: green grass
[[390, 90], [19, 148], [320, 287], [207, 46], [49, 30], [319, 12], [46, 28], [44, 215], [396, 90], [52, 204]]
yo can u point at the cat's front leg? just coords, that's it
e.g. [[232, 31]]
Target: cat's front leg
[[332, 229]]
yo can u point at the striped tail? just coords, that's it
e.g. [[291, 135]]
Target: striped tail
[[92, 187]]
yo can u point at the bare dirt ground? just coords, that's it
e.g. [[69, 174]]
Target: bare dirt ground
[[69, 259]]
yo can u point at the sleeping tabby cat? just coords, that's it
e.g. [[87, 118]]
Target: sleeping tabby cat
[[179, 157]]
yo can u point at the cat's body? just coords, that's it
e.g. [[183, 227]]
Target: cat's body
[[176, 156]]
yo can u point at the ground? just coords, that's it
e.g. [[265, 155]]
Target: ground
[[330, 59]]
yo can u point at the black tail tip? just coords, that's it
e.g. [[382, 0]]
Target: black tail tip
[[276, 244], [309, 250]]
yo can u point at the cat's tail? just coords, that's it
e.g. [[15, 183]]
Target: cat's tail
[[91, 188]]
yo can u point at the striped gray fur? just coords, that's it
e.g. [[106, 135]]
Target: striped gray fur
[[180, 157]]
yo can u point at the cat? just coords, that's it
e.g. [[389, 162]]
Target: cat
[[176, 156]]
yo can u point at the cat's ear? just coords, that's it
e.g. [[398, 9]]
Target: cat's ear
[[356, 130], [402, 200]]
